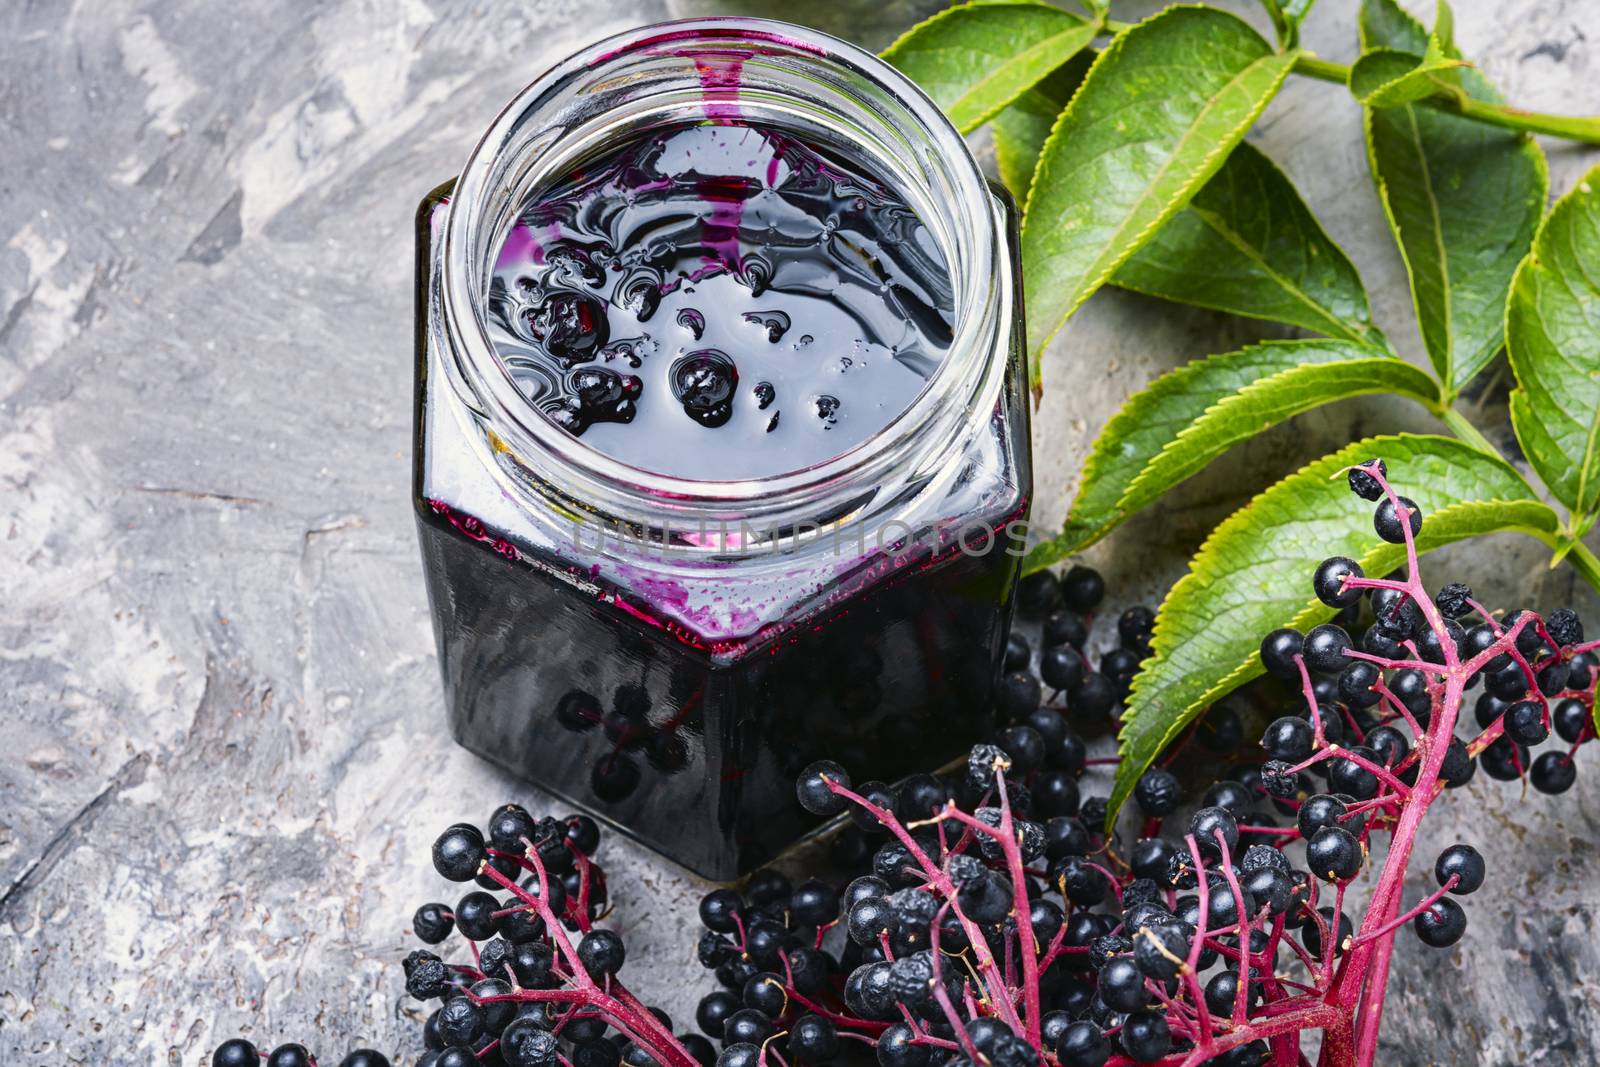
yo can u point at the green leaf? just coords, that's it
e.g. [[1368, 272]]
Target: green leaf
[[1254, 573], [1553, 337], [1190, 416], [975, 58], [1287, 15], [1247, 244], [1386, 78], [1158, 113], [1021, 130], [1462, 198]]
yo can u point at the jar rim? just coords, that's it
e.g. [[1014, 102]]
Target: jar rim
[[972, 254]]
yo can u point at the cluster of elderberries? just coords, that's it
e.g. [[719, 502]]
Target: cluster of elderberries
[[991, 925]]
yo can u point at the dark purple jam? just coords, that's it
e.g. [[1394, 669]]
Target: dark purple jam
[[720, 301]]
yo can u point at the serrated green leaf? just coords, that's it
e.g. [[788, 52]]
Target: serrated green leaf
[[1553, 337], [1462, 198], [1386, 78], [1021, 130], [1287, 15], [1156, 116], [1254, 573], [1190, 416], [975, 58], [1248, 245], [1444, 30]]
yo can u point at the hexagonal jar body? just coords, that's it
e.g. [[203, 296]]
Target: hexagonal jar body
[[666, 650]]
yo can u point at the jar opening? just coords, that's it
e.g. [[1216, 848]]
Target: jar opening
[[730, 73]]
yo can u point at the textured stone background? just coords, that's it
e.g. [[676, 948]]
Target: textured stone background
[[222, 755]]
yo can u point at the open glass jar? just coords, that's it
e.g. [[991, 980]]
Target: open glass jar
[[665, 650]]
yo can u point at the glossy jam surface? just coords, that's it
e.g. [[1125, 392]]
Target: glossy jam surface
[[720, 301]]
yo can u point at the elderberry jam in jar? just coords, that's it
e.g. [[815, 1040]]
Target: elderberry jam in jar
[[721, 454]]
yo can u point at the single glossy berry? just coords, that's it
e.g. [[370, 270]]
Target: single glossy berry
[[764, 992], [1083, 1044], [1278, 651], [583, 834], [1363, 484], [1349, 777], [1055, 792], [1553, 772], [813, 1039], [1505, 760], [475, 915], [508, 825], [1082, 589], [1552, 677], [1441, 924], [602, 953], [1019, 694], [1135, 626], [1524, 723], [1038, 594], [1334, 854], [1410, 687], [895, 1048], [1158, 793], [814, 903], [1018, 652], [288, 1055], [718, 910], [1319, 811], [1570, 719], [743, 1054], [236, 1053], [1288, 739], [812, 788], [1231, 795], [1329, 581], [432, 923], [1121, 985], [921, 797], [1146, 1037], [1465, 864], [1160, 949], [878, 794], [871, 919], [714, 1009], [1064, 627], [1388, 745], [496, 1013], [1388, 524], [1095, 697], [1062, 668], [747, 1025], [1025, 748], [1207, 823], [1118, 667], [1150, 856], [458, 852], [1325, 647]]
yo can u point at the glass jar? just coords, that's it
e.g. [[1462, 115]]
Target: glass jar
[[666, 653]]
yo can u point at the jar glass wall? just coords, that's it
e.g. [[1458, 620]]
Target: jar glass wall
[[664, 650]]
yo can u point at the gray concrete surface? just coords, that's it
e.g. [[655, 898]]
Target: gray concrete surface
[[218, 704]]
